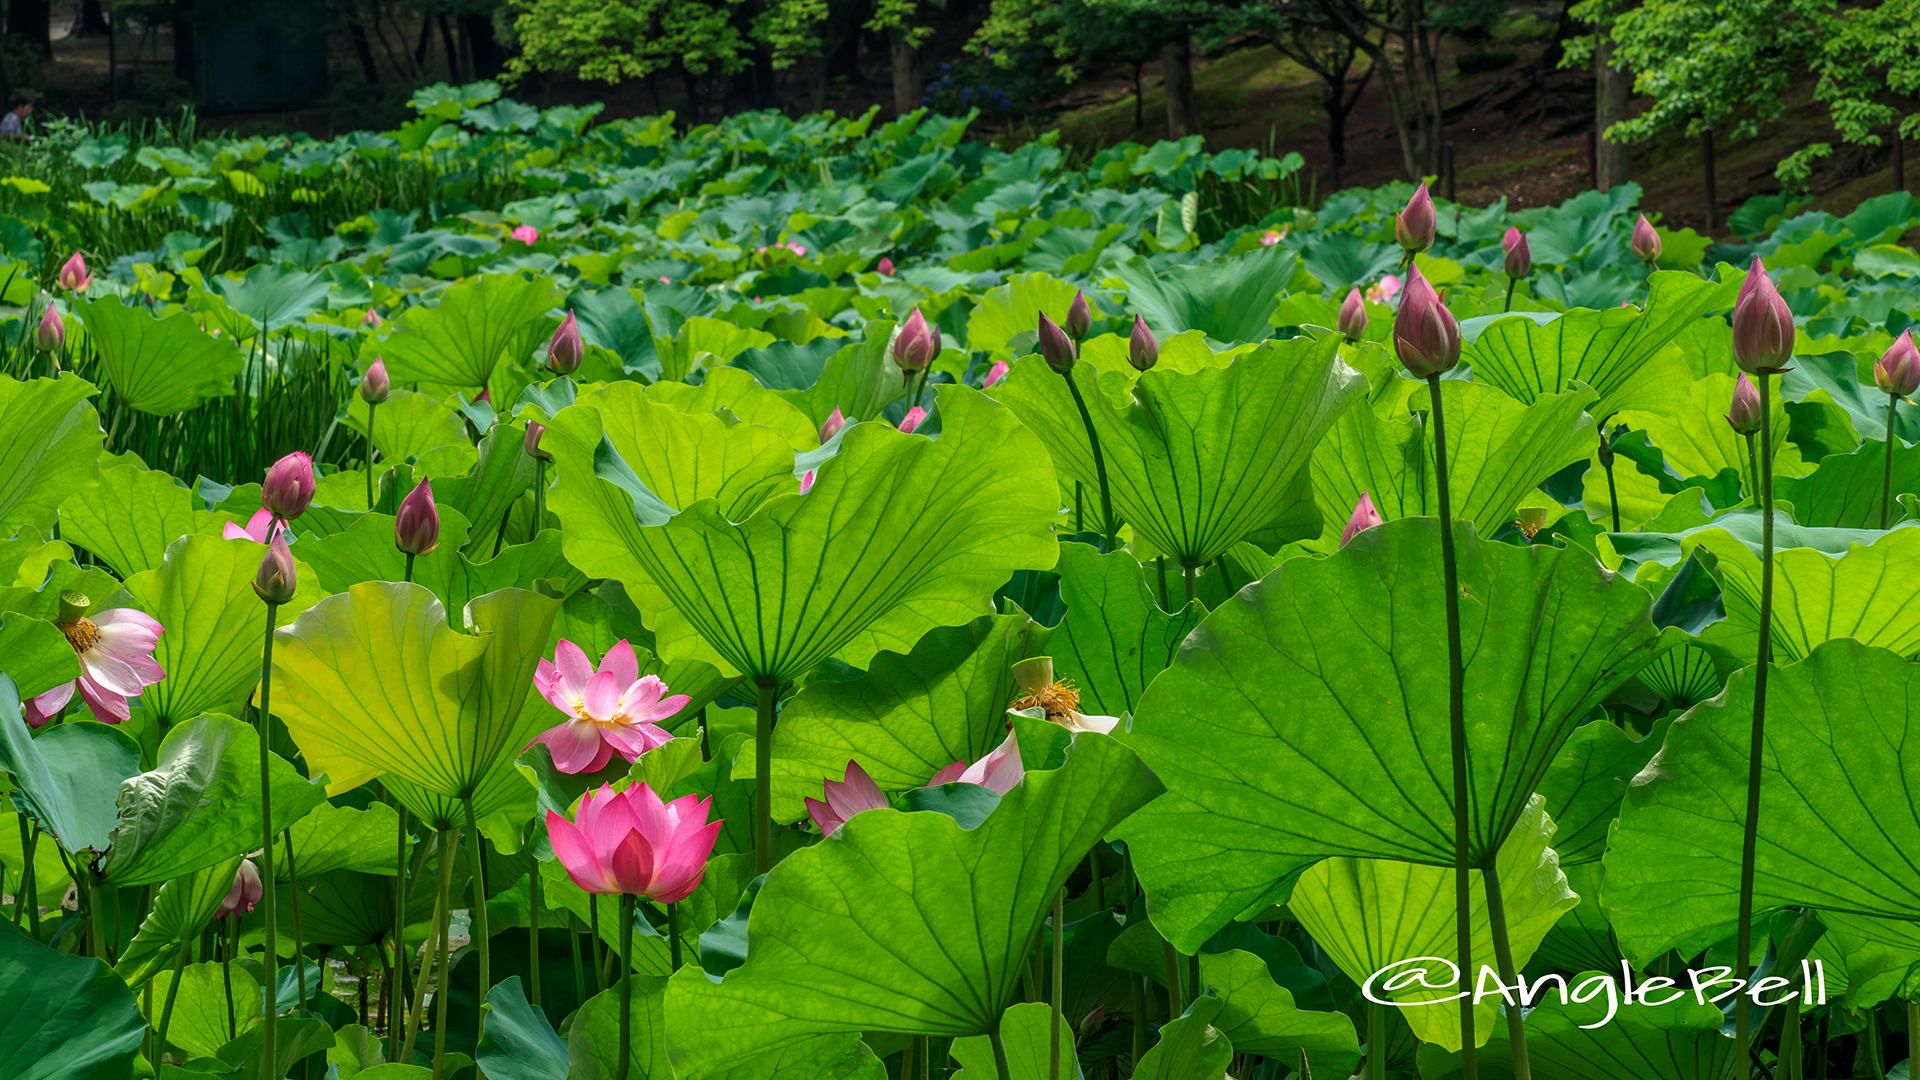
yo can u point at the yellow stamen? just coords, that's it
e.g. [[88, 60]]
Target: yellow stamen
[[1059, 700], [82, 634]]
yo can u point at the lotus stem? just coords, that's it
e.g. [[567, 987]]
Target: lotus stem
[[594, 943], [999, 1055], [626, 986], [1503, 956], [1613, 493], [1376, 1037], [371, 408], [293, 897], [442, 990], [1508, 306], [763, 775], [166, 1011], [407, 575], [1193, 977], [1749, 843], [579, 974], [1193, 579], [1790, 1051], [1099, 882], [269, 1000], [1176, 1000], [226, 974], [1886, 476], [29, 898], [539, 497], [397, 992], [1027, 981], [1753, 468], [1457, 727], [1137, 984], [906, 1060], [673, 934], [1059, 980], [481, 934], [533, 933], [440, 914], [1160, 566], [1099, 463]]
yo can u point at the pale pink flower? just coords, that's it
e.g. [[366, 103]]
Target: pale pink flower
[[911, 422], [246, 892], [1273, 236], [73, 274], [1384, 290], [116, 662], [1364, 517], [806, 482], [997, 372], [998, 772], [845, 798], [631, 843], [526, 234], [614, 709], [835, 421], [255, 529]]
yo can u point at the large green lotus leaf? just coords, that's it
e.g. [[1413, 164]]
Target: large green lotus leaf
[[1229, 299], [823, 1057], [342, 838], [1014, 308], [1260, 1016], [63, 1017], [1582, 940], [201, 803], [1880, 957], [520, 1043], [500, 476], [1026, 1033], [1844, 492], [1197, 461], [1605, 350], [1114, 639], [198, 1023], [409, 424], [1373, 914], [1871, 594], [1836, 831], [456, 342], [900, 534], [65, 779], [906, 922], [1678, 1040], [701, 342], [744, 399], [1307, 716], [38, 655], [25, 558], [274, 296], [181, 909], [52, 449], [158, 366], [215, 624], [593, 1042], [860, 380], [909, 716], [1190, 1048], [1586, 782], [374, 683], [1498, 453], [129, 522]]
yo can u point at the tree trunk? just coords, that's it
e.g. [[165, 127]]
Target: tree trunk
[[906, 75], [483, 49], [1176, 71], [424, 45], [1611, 84], [90, 21], [30, 20], [453, 51], [362, 47]]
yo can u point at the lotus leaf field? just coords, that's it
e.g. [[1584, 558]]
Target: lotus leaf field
[[823, 599]]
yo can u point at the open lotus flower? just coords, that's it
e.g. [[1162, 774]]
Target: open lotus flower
[[526, 234], [1384, 290], [1364, 517], [116, 661], [1762, 325], [998, 772], [614, 709], [1272, 237], [1897, 372], [1058, 699], [631, 843], [73, 274], [254, 530], [246, 892], [845, 798], [911, 422], [995, 373]]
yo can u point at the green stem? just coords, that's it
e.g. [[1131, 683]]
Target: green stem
[[482, 936], [1099, 881], [1511, 282], [1193, 579], [906, 1060], [1753, 469], [293, 898], [673, 934], [533, 933], [539, 495], [1886, 477], [166, 1011], [397, 993], [442, 989], [1000, 1055], [440, 916], [1194, 989], [407, 576], [1099, 462], [594, 943], [1613, 493], [579, 973], [226, 973], [1457, 731], [626, 986], [1376, 1023], [1749, 843], [1160, 566], [371, 408], [269, 1003], [1059, 981], [1503, 956], [1176, 999], [1790, 1052], [763, 775], [1137, 984], [29, 898]]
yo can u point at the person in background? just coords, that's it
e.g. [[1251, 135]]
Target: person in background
[[13, 125]]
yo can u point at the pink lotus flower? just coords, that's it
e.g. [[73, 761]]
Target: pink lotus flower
[[1273, 236], [1143, 349], [614, 710], [52, 334], [1426, 337], [289, 486], [1762, 325], [1897, 372], [565, 349], [416, 524], [997, 372], [375, 387], [998, 772], [1413, 228], [1743, 412], [1519, 255], [73, 275], [526, 234], [116, 661], [664, 279], [911, 422], [255, 529], [845, 798], [835, 421], [1646, 242], [917, 343], [795, 248], [806, 482], [1384, 290], [631, 843], [1364, 517], [372, 318], [278, 578], [885, 269], [246, 892], [1079, 316], [1352, 320]]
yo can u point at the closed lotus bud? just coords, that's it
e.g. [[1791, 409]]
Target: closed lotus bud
[[885, 269], [1897, 372], [1519, 255], [372, 318], [1353, 316], [997, 372], [535, 431], [246, 892], [277, 579], [910, 423], [288, 487], [374, 386], [917, 343], [1079, 317], [835, 421], [1425, 335], [1744, 411], [1143, 351], [1413, 228], [1646, 242], [1762, 325], [565, 349], [416, 526], [73, 274], [52, 334], [1364, 517], [1054, 345]]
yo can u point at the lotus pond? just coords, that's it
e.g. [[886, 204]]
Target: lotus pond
[[823, 599]]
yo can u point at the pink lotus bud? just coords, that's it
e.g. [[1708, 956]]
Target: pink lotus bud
[[885, 268], [835, 421], [1519, 255], [806, 482], [1897, 372], [526, 234], [73, 275], [1353, 316], [52, 335], [1646, 242], [277, 579], [372, 318], [1143, 350], [911, 422], [917, 343], [1744, 412], [535, 430], [1364, 517], [997, 372], [632, 843], [1762, 325], [1054, 345], [1079, 316], [416, 526], [565, 349], [289, 486], [1413, 228], [374, 386], [246, 892], [844, 798], [1425, 335]]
